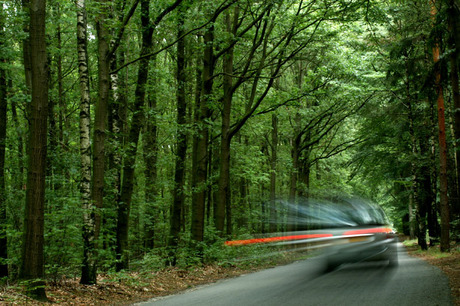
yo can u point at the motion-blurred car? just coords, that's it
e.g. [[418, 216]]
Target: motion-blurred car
[[362, 233]]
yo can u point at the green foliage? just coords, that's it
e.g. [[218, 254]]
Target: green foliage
[[344, 95]]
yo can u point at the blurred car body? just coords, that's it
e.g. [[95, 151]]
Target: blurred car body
[[365, 236]]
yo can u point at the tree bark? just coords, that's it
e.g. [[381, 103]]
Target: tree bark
[[273, 224], [452, 17], [3, 122], [100, 119], [200, 141], [181, 143], [223, 196], [292, 211], [26, 53], [150, 159], [32, 268], [444, 200], [124, 205], [89, 263]]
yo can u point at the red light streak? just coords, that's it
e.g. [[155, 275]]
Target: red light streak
[[275, 239]]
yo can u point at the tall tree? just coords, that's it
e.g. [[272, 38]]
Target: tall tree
[[444, 200], [106, 51], [32, 266], [124, 204], [150, 150], [100, 119], [181, 143], [200, 139], [3, 120], [89, 273], [273, 170], [453, 15], [223, 196]]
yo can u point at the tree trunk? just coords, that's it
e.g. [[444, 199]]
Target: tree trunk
[[19, 172], [32, 269], [452, 16], [3, 120], [181, 143], [150, 160], [26, 53], [124, 204], [89, 263], [292, 212], [100, 119], [444, 200], [200, 141], [223, 207], [273, 163]]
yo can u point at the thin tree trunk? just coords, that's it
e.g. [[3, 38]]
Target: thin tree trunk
[[3, 121], [89, 263], [411, 214], [124, 204], [444, 200], [63, 122], [452, 16], [32, 268], [26, 53], [200, 141], [150, 159], [19, 172], [273, 165], [181, 144], [100, 119], [223, 208], [420, 216], [292, 211]]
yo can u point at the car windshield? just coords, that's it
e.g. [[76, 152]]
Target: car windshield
[[344, 212]]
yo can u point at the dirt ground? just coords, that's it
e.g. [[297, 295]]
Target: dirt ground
[[123, 289]]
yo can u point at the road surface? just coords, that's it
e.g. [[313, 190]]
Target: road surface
[[412, 282]]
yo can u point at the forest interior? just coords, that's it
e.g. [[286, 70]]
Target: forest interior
[[137, 136]]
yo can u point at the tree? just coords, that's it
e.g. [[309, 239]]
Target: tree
[[100, 119], [3, 129], [32, 268], [445, 240], [150, 150], [89, 264], [181, 143], [124, 203], [200, 139]]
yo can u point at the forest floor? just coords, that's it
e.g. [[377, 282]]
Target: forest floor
[[129, 288], [125, 289]]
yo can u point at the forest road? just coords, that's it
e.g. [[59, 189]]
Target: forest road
[[412, 282]]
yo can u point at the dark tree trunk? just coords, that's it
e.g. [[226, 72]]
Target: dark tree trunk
[[292, 212], [124, 204], [19, 172], [200, 141], [26, 53], [223, 208], [273, 165], [444, 200], [100, 119], [150, 159], [181, 143], [32, 268], [3, 120], [453, 15]]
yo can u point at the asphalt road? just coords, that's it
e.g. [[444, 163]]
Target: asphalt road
[[412, 282]]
